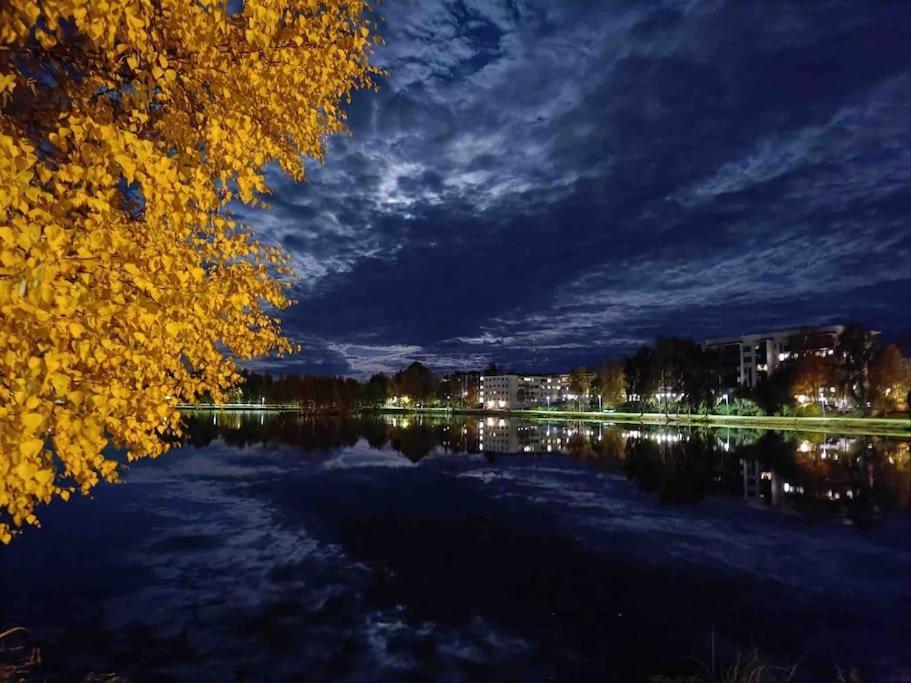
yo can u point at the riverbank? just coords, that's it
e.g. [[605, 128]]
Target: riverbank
[[871, 426], [253, 407], [867, 426]]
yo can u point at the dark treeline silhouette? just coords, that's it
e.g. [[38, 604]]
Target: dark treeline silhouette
[[861, 374], [319, 393], [311, 392], [672, 375], [674, 372]]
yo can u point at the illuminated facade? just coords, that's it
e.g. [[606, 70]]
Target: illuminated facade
[[505, 392], [499, 392], [746, 359]]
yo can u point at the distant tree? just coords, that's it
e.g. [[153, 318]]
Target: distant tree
[[417, 382], [376, 389], [580, 380], [463, 388], [595, 388], [700, 373], [671, 357], [773, 392], [855, 351], [889, 381], [641, 375], [610, 383], [492, 369], [813, 376]]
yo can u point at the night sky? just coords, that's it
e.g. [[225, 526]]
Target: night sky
[[548, 184]]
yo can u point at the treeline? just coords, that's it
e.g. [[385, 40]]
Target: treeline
[[673, 375], [859, 375], [310, 392], [340, 394]]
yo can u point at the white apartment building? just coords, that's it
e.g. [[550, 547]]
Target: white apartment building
[[748, 358], [499, 392], [505, 392]]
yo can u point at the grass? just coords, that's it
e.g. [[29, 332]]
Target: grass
[[17, 661], [277, 407], [866, 426], [20, 661]]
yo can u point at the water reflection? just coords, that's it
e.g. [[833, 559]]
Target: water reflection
[[408, 548], [856, 478]]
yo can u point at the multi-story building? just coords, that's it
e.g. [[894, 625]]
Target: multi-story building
[[499, 392], [505, 392], [748, 358]]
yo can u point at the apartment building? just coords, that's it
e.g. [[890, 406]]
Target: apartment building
[[499, 392], [746, 359], [505, 392]]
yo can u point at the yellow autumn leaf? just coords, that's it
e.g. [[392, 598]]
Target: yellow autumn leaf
[[30, 448], [31, 422], [119, 299]]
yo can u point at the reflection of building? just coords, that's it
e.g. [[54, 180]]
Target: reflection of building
[[748, 358], [752, 473], [760, 484], [498, 435]]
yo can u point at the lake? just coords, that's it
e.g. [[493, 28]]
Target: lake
[[273, 546]]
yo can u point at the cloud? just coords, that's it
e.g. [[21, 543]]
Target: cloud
[[551, 183]]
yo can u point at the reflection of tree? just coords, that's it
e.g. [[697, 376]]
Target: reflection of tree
[[772, 451], [643, 463], [201, 430], [859, 478], [612, 444], [679, 471], [580, 446], [375, 431], [241, 429], [415, 441]]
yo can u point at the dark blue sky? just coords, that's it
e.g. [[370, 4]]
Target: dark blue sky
[[546, 184]]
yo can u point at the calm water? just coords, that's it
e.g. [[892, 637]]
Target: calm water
[[275, 547]]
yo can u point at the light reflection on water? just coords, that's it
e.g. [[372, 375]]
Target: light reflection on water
[[409, 548], [858, 478]]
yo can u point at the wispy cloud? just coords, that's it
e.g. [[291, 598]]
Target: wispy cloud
[[556, 182]]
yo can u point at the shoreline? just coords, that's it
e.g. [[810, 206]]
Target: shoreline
[[868, 426], [871, 426]]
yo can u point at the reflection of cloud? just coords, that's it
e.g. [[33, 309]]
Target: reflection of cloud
[[364, 455], [553, 182]]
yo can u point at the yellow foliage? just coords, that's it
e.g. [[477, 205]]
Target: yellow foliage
[[125, 129]]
